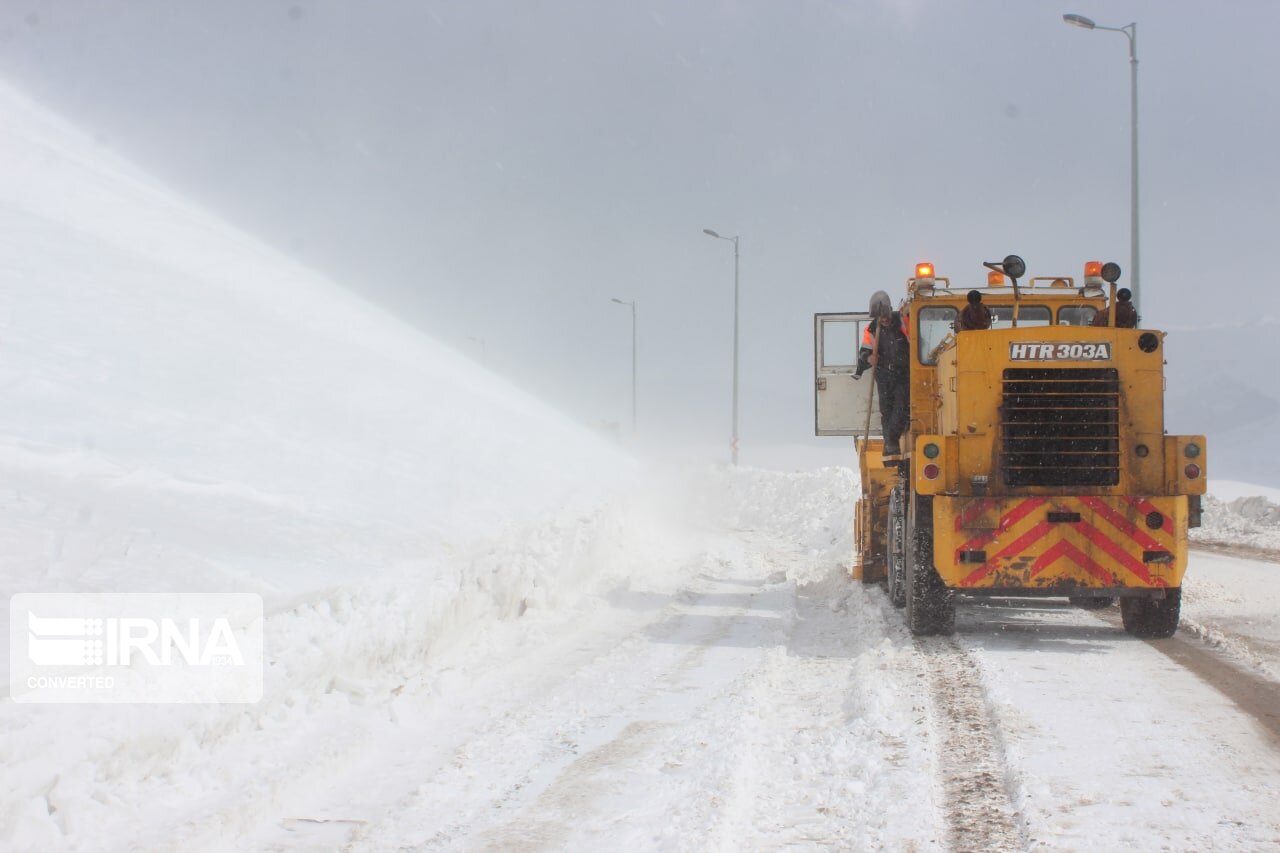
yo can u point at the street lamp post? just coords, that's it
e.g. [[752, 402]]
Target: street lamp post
[[632, 303], [734, 445], [1131, 32]]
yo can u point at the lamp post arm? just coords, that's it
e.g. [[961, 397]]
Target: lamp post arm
[[1130, 31]]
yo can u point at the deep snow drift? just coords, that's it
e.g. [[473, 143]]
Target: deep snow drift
[[187, 410], [174, 390]]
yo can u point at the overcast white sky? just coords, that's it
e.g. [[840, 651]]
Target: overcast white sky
[[500, 170]]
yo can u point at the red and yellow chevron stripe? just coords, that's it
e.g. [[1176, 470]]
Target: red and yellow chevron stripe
[[1060, 541]]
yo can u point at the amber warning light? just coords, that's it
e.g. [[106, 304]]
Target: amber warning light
[[924, 270], [1093, 269]]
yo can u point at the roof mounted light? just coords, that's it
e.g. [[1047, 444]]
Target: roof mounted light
[[995, 279], [1093, 274], [924, 276]]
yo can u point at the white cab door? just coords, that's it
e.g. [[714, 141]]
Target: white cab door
[[840, 401]]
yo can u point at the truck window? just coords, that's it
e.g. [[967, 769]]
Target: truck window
[[1076, 315], [936, 322], [840, 340], [1028, 315]]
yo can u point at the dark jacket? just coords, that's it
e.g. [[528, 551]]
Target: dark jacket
[[894, 349], [975, 316], [1126, 316]]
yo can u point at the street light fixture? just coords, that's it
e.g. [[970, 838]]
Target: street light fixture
[[1131, 32], [734, 445], [632, 303]]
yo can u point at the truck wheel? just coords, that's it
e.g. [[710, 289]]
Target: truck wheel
[[931, 606], [1091, 602], [1152, 618], [896, 558]]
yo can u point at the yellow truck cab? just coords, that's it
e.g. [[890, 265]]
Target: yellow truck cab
[[1036, 460]]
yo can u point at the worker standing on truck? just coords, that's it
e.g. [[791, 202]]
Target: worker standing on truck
[[1126, 314], [890, 352], [975, 315]]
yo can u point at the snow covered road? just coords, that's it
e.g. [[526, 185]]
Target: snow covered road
[[766, 702], [707, 679], [733, 712]]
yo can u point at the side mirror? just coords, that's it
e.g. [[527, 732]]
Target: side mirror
[[1014, 266], [1111, 272]]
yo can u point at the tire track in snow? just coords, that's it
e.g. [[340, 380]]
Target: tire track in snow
[[607, 769], [782, 743], [543, 824], [572, 791], [972, 769], [820, 745]]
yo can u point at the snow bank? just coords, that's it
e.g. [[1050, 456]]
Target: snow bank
[[186, 410], [190, 410], [813, 508], [1250, 520], [186, 776], [148, 348]]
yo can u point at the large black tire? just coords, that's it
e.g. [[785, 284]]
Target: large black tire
[[931, 606], [1152, 618], [1091, 602], [896, 550]]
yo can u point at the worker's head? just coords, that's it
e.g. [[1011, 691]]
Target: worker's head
[[974, 297], [880, 303], [1123, 294]]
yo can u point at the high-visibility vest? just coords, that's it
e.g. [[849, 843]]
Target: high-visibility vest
[[869, 340]]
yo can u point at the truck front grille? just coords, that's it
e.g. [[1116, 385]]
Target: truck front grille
[[1060, 426]]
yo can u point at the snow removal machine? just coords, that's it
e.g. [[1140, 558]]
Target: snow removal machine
[[1033, 459]]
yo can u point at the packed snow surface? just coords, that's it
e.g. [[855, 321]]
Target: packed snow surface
[[686, 667], [487, 629]]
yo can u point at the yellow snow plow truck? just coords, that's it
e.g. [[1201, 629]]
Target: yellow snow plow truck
[[1034, 460]]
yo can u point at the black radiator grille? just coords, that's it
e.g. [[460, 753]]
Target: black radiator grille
[[1060, 426]]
